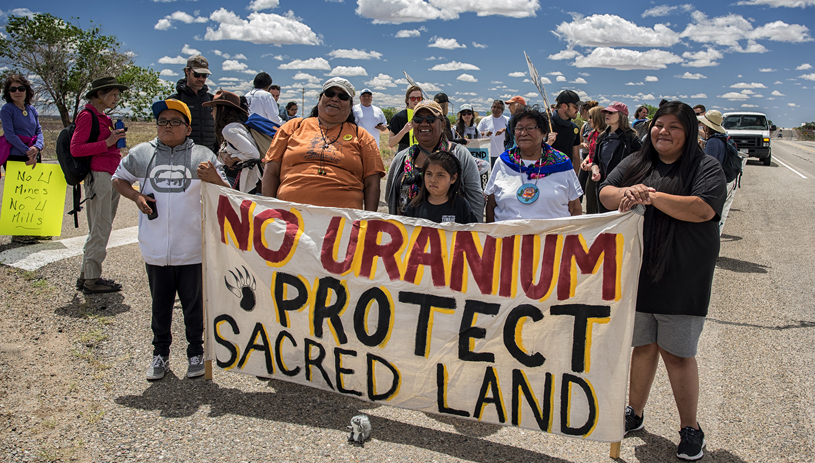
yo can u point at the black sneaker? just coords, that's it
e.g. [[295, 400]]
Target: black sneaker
[[691, 443], [632, 421], [100, 285]]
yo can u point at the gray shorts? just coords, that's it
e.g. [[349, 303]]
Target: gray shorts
[[677, 334]]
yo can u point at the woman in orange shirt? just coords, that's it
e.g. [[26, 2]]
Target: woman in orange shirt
[[325, 160]]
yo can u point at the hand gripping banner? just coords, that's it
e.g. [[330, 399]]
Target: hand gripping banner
[[520, 323]]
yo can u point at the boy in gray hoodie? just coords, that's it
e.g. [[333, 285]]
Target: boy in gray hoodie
[[170, 170]]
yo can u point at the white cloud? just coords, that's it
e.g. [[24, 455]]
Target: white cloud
[[348, 71], [778, 3], [169, 60], [355, 54], [606, 30], [429, 87], [702, 59], [792, 104], [804, 67], [634, 83], [163, 24], [777, 93], [808, 76], [746, 85], [778, 82], [186, 18], [699, 95], [167, 73], [688, 75], [561, 79], [261, 28], [466, 78], [479, 45], [447, 44], [624, 59], [736, 96], [564, 54], [305, 76], [19, 12], [405, 33], [665, 10], [545, 81], [554, 73], [233, 65], [579, 80], [381, 82], [766, 70], [651, 79], [749, 105], [455, 66], [403, 11], [311, 63], [258, 5], [517, 74], [188, 50], [729, 30]]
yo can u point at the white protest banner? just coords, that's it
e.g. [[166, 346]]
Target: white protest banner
[[521, 323], [479, 148]]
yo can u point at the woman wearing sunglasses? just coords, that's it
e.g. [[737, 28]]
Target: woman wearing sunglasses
[[325, 159], [22, 140], [400, 127], [465, 123], [404, 176]]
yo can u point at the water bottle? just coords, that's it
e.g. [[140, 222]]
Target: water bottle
[[121, 143]]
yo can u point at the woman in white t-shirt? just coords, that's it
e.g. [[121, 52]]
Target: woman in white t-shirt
[[532, 180]]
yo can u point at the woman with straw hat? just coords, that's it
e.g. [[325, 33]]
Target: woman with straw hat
[[102, 199]]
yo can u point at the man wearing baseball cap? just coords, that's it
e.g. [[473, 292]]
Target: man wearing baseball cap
[[515, 104], [565, 132], [370, 117], [192, 90], [169, 170]]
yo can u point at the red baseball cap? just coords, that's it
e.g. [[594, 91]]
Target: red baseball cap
[[615, 107], [517, 99]]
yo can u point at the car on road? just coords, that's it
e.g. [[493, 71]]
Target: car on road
[[751, 132]]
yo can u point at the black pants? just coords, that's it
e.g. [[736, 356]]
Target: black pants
[[165, 282]]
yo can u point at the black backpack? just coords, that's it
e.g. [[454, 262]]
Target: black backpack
[[75, 169], [732, 164]]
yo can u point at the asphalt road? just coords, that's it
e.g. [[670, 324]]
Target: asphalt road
[[755, 355]]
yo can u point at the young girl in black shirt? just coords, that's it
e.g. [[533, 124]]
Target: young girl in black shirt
[[438, 199]]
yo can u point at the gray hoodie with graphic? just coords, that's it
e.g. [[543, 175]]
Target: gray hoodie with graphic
[[174, 237]]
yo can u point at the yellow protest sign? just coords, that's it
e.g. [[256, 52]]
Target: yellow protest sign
[[33, 200]]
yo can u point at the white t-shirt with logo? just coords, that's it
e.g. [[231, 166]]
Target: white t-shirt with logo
[[555, 192], [494, 124], [368, 117]]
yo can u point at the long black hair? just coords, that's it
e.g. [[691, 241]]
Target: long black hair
[[448, 162], [677, 181], [226, 115]]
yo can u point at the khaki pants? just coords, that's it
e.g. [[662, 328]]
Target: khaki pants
[[100, 205]]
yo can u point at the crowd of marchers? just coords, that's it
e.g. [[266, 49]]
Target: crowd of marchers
[[541, 166]]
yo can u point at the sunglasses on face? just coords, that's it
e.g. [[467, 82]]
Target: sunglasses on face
[[199, 75], [416, 98], [21, 88], [174, 123], [466, 113], [341, 95], [419, 119], [525, 129]]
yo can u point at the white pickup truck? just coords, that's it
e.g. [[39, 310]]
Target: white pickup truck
[[751, 132]]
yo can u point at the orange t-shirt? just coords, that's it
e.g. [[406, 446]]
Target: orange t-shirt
[[346, 153]]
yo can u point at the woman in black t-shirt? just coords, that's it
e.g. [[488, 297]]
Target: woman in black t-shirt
[[683, 191]]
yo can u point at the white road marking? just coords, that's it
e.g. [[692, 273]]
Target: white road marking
[[39, 255], [775, 158]]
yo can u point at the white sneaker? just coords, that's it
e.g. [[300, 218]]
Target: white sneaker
[[158, 367], [196, 367]]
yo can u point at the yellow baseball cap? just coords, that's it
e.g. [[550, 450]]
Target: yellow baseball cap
[[175, 105]]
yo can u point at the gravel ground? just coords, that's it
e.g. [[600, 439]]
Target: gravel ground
[[72, 368]]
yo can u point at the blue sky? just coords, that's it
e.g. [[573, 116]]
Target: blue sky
[[754, 55]]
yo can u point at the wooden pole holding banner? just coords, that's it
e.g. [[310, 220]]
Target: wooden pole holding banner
[[536, 79], [615, 450], [413, 83]]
